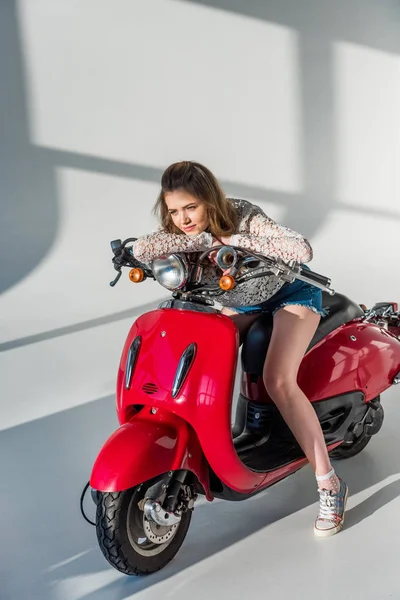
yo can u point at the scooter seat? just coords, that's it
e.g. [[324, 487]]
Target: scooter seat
[[340, 310]]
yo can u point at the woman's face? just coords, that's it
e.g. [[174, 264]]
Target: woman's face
[[187, 212]]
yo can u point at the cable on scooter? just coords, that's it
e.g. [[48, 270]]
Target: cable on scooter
[[81, 503]]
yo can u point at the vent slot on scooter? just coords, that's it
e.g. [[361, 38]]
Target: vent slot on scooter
[[150, 388]]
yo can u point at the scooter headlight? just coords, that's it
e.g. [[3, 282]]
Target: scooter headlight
[[171, 272]]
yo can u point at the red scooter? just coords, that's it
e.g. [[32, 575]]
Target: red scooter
[[174, 398]]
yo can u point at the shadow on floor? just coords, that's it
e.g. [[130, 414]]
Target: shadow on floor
[[47, 462]]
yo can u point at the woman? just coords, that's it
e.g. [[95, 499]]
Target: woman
[[195, 215]]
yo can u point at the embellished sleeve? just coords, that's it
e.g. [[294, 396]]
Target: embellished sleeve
[[151, 246], [264, 236]]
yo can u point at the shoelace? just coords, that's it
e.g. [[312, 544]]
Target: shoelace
[[328, 505]]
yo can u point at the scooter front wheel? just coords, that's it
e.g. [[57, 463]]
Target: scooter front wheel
[[131, 543]]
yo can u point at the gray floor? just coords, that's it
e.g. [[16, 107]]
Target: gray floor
[[263, 546], [304, 124]]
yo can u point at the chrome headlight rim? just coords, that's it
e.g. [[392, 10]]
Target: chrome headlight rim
[[159, 266]]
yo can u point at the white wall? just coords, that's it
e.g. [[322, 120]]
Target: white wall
[[294, 105], [303, 120]]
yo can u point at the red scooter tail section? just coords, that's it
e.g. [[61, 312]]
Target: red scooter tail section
[[147, 446]]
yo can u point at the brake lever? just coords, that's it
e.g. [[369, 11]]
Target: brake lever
[[115, 281]]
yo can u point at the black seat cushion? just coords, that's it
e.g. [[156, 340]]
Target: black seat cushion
[[340, 310]]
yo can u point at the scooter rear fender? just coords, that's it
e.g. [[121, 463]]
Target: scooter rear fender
[[147, 446], [357, 356]]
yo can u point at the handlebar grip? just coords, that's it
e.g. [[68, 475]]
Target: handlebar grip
[[116, 245], [315, 277]]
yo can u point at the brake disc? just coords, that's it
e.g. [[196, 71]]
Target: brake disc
[[158, 534]]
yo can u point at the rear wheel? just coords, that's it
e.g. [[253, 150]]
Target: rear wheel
[[131, 543], [359, 435], [347, 450]]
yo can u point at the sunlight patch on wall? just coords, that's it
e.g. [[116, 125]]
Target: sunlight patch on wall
[[367, 87], [155, 82], [356, 251]]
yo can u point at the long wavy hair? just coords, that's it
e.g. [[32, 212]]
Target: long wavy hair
[[197, 180]]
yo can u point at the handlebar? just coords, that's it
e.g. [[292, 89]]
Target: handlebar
[[316, 279], [276, 266], [265, 265], [124, 258], [117, 245]]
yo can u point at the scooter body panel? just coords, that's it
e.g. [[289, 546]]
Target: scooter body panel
[[204, 400], [356, 356]]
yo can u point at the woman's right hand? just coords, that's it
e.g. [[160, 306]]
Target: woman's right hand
[[212, 256]]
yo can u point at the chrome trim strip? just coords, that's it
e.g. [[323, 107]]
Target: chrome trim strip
[[185, 362], [131, 360]]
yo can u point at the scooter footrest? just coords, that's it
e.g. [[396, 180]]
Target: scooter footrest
[[271, 455]]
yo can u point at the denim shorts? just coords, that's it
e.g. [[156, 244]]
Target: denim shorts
[[297, 293]]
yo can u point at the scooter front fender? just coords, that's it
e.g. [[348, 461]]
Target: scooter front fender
[[145, 447]]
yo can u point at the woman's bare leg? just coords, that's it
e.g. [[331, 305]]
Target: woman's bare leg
[[293, 329]]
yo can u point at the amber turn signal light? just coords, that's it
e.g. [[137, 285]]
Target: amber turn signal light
[[136, 275], [227, 282]]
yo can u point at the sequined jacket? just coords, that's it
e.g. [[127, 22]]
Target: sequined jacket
[[255, 231]]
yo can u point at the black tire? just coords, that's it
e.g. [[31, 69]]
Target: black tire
[[351, 449], [120, 526]]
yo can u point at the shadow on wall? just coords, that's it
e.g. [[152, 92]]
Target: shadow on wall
[[29, 202], [29, 212], [47, 462], [28, 192]]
